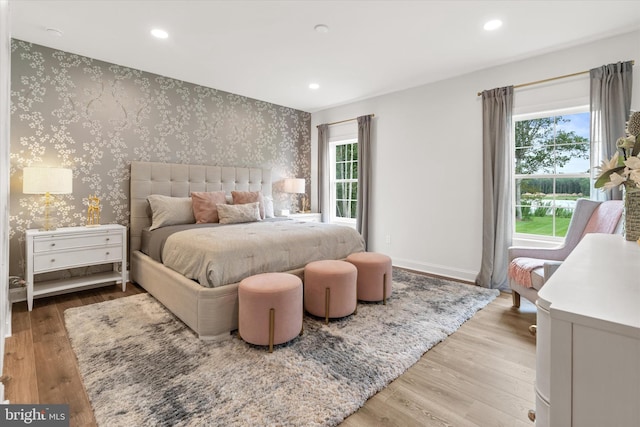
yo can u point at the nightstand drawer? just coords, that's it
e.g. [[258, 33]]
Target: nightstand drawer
[[67, 259], [55, 243]]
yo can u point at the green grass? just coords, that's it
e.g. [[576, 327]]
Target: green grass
[[543, 226]]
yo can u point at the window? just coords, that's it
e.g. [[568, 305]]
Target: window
[[551, 165], [343, 178]]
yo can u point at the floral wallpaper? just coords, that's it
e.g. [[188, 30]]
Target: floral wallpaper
[[95, 117]]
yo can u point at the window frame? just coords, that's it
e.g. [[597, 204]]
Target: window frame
[[333, 181], [577, 109]]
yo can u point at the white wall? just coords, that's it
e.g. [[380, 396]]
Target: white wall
[[428, 150]]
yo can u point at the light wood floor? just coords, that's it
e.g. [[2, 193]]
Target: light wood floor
[[482, 375]]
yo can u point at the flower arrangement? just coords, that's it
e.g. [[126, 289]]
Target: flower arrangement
[[623, 170]]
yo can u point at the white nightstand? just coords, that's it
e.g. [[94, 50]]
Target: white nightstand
[[307, 216], [71, 247]]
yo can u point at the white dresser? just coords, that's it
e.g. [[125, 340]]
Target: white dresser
[[72, 247], [588, 338]]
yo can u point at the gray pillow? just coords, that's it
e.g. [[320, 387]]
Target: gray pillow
[[167, 210], [233, 214]]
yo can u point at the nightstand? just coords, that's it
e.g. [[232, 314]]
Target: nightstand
[[71, 247], [307, 216]]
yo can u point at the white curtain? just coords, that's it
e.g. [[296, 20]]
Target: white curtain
[[497, 222], [610, 104]]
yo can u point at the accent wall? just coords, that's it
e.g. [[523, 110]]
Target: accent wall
[[94, 117]]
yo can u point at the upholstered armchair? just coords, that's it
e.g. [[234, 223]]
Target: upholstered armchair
[[530, 268]]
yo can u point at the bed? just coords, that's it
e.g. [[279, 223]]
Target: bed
[[211, 308]]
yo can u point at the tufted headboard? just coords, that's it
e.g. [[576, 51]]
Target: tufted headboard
[[179, 180]]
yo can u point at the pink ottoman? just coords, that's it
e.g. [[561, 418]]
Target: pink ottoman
[[270, 308], [330, 289], [374, 275]]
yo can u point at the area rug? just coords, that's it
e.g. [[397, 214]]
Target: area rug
[[141, 366]]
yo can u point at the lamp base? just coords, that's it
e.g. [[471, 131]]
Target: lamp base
[[47, 223]]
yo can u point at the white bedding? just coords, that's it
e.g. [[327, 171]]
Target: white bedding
[[223, 255]]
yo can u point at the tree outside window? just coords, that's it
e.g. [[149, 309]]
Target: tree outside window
[[552, 166]]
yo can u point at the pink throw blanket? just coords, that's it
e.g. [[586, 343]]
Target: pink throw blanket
[[520, 269], [605, 218]]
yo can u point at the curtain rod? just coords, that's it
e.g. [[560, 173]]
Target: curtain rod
[[553, 78], [344, 121]]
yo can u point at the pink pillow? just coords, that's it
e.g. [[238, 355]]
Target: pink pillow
[[204, 205], [242, 197]]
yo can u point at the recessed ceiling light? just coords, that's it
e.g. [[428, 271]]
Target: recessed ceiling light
[[494, 24], [314, 86], [321, 28], [159, 33], [54, 31]]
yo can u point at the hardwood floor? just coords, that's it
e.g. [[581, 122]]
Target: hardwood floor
[[482, 375]]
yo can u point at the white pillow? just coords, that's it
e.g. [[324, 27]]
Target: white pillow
[[167, 210], [233, 214], [268, 207]]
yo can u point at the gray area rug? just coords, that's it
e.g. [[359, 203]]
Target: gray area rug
[[141, 366]]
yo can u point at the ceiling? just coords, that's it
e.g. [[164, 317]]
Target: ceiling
[[269, 50]]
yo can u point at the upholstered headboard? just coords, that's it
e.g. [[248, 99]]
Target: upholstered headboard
[[179, 180]]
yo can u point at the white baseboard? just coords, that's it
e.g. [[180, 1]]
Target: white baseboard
[[439, 270]]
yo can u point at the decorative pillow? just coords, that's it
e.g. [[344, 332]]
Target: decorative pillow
[[242, 197], [167, 210], [204, 205], [233, 214], [268, 207]]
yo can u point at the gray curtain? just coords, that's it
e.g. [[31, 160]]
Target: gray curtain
[[364, 176], [323, 172], [610, 104], [497, 221]]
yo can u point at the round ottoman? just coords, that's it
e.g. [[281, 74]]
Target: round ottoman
[[270, 308], [374, 275], [330, 289]]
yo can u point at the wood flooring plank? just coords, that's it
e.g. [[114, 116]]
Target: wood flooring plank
[[59, 379], [20, 379], [46, 321], [431, 403], [472, 389], [484, 415]]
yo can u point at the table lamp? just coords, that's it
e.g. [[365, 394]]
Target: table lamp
[[47, 181], [294, 186]]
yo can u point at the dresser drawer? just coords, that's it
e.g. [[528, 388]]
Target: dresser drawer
[[55, 243], [74, 258]]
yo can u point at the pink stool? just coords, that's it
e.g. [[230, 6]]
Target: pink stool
[[270, 308], [374, 275], [330, 289]]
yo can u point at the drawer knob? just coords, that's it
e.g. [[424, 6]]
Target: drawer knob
[[53, 260], [107, 253], [53, 244], [107, 239]]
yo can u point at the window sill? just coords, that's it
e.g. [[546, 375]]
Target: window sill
[[537, 241]]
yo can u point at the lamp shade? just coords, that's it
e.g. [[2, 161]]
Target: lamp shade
[[47, 180], [294, 185]]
